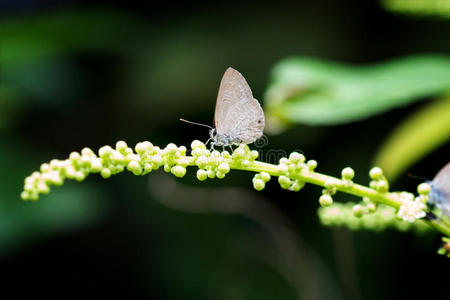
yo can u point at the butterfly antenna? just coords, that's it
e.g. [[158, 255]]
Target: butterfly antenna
[[190, 122], [417, 177]]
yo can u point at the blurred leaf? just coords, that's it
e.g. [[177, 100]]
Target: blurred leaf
[[439, 8], [417, 136], [53, 33], [8, 105], [315, 92], [61, 211], [49, 80], [34, 53]]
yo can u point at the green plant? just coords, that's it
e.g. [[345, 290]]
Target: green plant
[[421, 8], [293, 173], [318, 92]]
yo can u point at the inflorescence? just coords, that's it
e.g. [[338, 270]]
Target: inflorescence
[[378, 206]]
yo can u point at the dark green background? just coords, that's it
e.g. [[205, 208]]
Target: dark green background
[[90, 73]]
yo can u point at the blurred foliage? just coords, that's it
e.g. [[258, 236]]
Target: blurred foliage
[[37, 45], [274, 248], [35, 51], [316, 92], [72, 209], [36, 72], [414, 138], [75, 75], [54, 33], [64, 210], [342, 215], [436, 8]]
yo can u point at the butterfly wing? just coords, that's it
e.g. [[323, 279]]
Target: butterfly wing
[[237, 113], [441, 189], [442, 179]]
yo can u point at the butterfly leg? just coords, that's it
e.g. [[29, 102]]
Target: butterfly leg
[[212, 144], [212, 147], [231, 149]]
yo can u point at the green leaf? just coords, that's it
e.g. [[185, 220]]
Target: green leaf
[[417, 136], [315, 92], [435, 8]]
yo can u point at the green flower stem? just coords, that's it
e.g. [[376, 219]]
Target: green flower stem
[[442, 227], [320, 179], [292, 173]]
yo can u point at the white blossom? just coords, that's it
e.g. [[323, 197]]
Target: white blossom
[[411, 209]]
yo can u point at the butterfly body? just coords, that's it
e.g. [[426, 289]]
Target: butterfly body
[[223, 139]]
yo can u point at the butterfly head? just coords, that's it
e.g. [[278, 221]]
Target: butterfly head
[[212, 133]]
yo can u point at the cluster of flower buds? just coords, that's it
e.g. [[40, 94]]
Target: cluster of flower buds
[[146, 157], [292, 174], [411, 208], [343, 214], [292, 166], [140, 161], [109, 161], [379, 181]]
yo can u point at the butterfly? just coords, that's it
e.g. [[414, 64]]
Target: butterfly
[[238, 117], [440, 190]]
